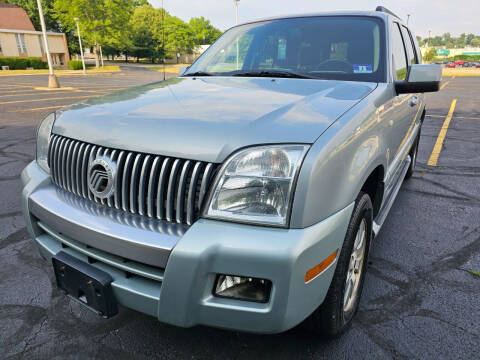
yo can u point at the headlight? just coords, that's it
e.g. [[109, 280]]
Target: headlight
[[43, 141], [255, 185]]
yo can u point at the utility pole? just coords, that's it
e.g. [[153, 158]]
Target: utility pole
[[101, 55], [236, 23], [429, 37], [52, 79], [163, 39], [236, 11], [80, 44], [408, 18]]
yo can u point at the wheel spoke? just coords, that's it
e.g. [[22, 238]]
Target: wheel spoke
[[355, 266]]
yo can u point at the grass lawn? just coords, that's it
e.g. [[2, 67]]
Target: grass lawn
[[461, 71], [170, 68], [90, 69]]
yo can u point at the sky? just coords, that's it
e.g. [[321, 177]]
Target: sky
[[439, 16]]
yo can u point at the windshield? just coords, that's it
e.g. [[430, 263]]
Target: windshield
[[329, 47]]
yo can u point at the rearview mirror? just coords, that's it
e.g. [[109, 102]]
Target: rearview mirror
[[421, 78], [183, 70]]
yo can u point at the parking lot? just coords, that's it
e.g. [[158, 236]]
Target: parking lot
[[422, 291]]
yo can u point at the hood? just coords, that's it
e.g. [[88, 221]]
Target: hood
[[208, 118]]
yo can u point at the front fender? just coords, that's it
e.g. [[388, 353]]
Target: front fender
[[340, 161]]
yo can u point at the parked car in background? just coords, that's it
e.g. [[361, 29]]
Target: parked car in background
[[459, 62], [451, 65], [244, 194]]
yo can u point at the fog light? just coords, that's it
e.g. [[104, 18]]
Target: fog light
[[242, 288]]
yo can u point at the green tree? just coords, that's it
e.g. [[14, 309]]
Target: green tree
[[429, 55], [475, 42], [203, 31], [179, 38], [143, 23], [468, 39], [102, 22]]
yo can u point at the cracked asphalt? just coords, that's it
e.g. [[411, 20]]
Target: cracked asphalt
[[420, 301]]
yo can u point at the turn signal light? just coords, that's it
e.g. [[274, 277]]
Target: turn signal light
[[317, 270]]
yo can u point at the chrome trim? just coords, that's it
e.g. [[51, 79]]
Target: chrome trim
[[151, 186], [144, 184], [107, 258], [192, 192], [132, 236], [161, 189], [181, 191], [205, 182], [171, 189]]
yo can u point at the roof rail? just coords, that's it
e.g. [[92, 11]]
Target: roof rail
[[385, 10]]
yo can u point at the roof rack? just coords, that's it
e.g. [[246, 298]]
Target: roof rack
[[385, 10]]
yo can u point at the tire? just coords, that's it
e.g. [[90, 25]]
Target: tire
[[334, 316], [413, 157]]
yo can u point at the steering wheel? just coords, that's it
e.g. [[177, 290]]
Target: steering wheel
[[335, 65]]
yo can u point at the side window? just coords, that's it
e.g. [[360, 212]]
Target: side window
[[412, 59], [398, 52], [416, 47]]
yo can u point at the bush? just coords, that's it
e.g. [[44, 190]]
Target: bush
[[75, 65], [467, 57], [22, 63], [37, 63]]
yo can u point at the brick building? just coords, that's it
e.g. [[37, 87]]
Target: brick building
[[18, 37]]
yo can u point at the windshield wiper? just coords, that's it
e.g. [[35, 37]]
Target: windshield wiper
[[199, 73], [272, 73]]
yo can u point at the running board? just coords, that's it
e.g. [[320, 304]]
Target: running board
[[382, 215]]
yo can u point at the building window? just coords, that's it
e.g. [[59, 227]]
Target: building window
[[22, 49], [1, 51], [40, 40]]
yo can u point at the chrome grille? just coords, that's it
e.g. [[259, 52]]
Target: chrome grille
[[151, 185]]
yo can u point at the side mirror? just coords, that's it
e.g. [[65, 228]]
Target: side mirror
[[421, 78], [182, 70]]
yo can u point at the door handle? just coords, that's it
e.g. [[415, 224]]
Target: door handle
[[413, 101]]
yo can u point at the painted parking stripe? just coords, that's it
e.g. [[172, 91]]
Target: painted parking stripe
[[38, 109], [46, 99], [441, 136], [441, 87]]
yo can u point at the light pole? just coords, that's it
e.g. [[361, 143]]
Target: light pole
[[429, 37], [52, 79], [80, 43], [236, 23], [101, 55], [236, 11], [408, 18]]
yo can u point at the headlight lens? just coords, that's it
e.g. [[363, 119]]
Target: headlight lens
[[255, 185], [43, 141]]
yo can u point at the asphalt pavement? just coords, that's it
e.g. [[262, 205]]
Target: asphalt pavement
[[421, 298]]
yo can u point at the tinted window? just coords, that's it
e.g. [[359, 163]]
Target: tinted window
[[409, 46], [398, 52], [333, 47]]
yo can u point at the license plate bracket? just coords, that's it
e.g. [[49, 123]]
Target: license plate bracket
[[85, 283]]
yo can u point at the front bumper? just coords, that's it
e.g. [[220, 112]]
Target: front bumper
[[169, 272]]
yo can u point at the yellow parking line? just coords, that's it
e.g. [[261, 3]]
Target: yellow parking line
[[441, 136], [40, 108], [441, 87], [46, 99]]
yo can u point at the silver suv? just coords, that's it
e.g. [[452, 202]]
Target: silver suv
[[245, 193]]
